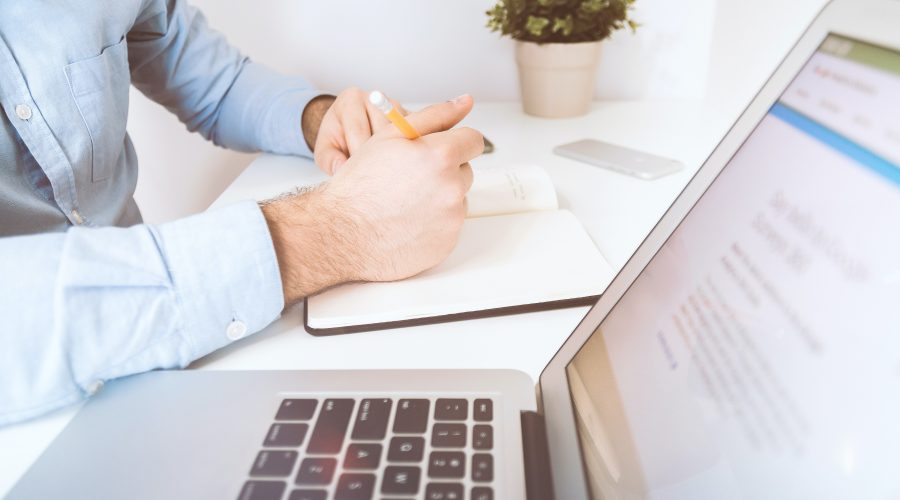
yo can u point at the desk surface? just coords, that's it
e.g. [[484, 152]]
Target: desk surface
[[618, 212]]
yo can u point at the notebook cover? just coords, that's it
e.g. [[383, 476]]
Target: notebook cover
[[447, 318]]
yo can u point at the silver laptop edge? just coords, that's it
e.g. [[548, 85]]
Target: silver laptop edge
[[866, 20]]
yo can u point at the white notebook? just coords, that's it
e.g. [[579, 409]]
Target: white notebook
[[517, 252]]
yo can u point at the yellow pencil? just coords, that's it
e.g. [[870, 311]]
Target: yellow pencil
[[384, 105]]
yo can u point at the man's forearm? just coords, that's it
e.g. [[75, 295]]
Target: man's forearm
[[312, 118], [314, 236]]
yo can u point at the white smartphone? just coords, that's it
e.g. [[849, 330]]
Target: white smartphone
[[619, 158]]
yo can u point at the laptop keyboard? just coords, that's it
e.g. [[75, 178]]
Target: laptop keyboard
[[382, 448]]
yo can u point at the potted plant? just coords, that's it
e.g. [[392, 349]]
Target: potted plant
[[558, 48]]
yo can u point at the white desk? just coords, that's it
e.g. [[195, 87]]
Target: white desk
[[618, 212]]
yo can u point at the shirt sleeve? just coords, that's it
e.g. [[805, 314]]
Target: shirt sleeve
[[179, 62], [93, 304]]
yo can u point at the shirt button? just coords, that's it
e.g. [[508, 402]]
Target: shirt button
[[95, 387], [23, 111], [236, 329], [76, 216]]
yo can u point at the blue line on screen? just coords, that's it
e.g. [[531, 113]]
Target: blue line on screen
[[837, 142]]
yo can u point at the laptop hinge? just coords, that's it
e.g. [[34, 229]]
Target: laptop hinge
[[538, 478]]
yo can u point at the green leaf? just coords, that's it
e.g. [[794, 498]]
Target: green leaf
[[594, 6], [536, 25], [564, 25]]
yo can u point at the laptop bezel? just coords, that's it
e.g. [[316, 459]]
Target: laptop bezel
[[864, 20]]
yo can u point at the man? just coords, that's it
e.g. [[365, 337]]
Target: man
[[90, 294]]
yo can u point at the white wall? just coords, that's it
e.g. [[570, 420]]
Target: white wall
[[429, 50]]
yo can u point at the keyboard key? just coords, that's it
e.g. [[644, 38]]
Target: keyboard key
[[262, 490], [355, 487], [482, 467], [444, 491], [273, 463], [451, 409], [362, 456], [286, 435], [412, 416], [450, 464], [372, 419], [482, 493], [296, 409], [483, 411], [406, 449], [316, 471], [328, 434], [308, 495], [482, 437], [448, 436], [398, 479]]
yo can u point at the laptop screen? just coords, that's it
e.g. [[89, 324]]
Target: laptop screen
[[758, 354]]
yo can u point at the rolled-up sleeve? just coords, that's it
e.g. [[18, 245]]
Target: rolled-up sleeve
[[94, 304], [179, 62]]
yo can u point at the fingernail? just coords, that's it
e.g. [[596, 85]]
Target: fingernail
[[459, 99]]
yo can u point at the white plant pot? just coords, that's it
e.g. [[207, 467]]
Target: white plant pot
[[557, 79]]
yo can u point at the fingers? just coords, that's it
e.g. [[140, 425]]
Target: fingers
[[377, 120], [329, 157], [463, 144], [355, 122], [330, 151], [467, 176], [441, 117], [349, 123]]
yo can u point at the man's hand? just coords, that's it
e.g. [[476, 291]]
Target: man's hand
[[343, 125], [393, 210]]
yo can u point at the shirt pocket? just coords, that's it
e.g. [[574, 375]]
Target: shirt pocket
[[99, 86]]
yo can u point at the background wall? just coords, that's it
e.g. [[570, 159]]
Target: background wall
[[429, 50]]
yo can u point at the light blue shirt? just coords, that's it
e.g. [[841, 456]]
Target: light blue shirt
[[84, 302]]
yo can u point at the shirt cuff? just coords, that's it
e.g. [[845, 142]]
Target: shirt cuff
[[271, 105], [285, 130], [225, 272]]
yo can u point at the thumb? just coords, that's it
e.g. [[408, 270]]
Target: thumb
[[329, 157], [442, 116]]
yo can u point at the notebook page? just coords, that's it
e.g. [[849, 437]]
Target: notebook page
[[500, 261], [510, 189]]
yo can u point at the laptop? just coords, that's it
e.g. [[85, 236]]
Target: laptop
[[749, 349]]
